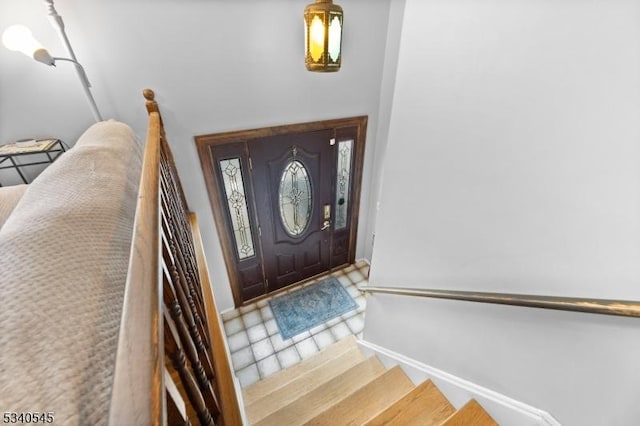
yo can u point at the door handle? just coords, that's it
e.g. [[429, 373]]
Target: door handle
[[325, 225]]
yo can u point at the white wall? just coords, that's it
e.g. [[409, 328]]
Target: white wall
[[215, 66], [512, 165], [387, 87]]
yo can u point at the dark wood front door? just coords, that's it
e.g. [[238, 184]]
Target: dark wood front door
[[292, 177], [285, 200]]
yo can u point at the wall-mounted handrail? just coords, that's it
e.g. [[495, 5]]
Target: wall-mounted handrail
[[625, 308]]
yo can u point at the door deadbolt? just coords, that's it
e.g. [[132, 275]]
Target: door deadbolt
[[327, 211]]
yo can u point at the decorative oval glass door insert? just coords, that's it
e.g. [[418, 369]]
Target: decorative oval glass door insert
[[295, 198]]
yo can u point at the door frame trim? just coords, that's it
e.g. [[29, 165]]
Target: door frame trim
[[204, 143]]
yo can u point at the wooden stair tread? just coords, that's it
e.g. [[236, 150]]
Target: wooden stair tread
[[425, 405], [280, 379], [325, 396], [303, 384], [368, 401], [471, 414]]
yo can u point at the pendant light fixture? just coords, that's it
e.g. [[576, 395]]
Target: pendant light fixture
[[323, 36]]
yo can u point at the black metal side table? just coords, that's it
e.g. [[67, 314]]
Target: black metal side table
[[52, 148]]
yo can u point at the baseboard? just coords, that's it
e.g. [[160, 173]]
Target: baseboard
[[503, 409], [226, 311], [365, 260]]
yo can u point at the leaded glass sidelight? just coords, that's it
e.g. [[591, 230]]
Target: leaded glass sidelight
[[343, 178], [295, 198], [237, 204]]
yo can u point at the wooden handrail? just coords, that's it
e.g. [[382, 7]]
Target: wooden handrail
[[183, 322], [139, 368], [625, 308]]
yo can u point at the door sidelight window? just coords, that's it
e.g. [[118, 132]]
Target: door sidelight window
[[343, 179], [237, 205]]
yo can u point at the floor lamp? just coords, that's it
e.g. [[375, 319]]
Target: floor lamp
[[19, 38]]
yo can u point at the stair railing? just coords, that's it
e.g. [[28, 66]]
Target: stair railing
[[172, 363], [625, 308]]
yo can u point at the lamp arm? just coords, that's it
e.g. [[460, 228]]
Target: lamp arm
[[79, 68], [58, 24], [85, 86], [78, 65]]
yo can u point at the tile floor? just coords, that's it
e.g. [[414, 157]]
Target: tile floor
[[257, 349]]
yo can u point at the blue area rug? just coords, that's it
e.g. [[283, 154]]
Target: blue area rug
[[308, 307]]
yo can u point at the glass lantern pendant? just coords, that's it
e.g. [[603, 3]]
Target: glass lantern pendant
[[323, 36]]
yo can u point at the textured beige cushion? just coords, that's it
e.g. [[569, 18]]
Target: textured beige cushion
[[9, 197], [63, 261]]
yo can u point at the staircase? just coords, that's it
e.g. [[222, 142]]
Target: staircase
[[340, 385]]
